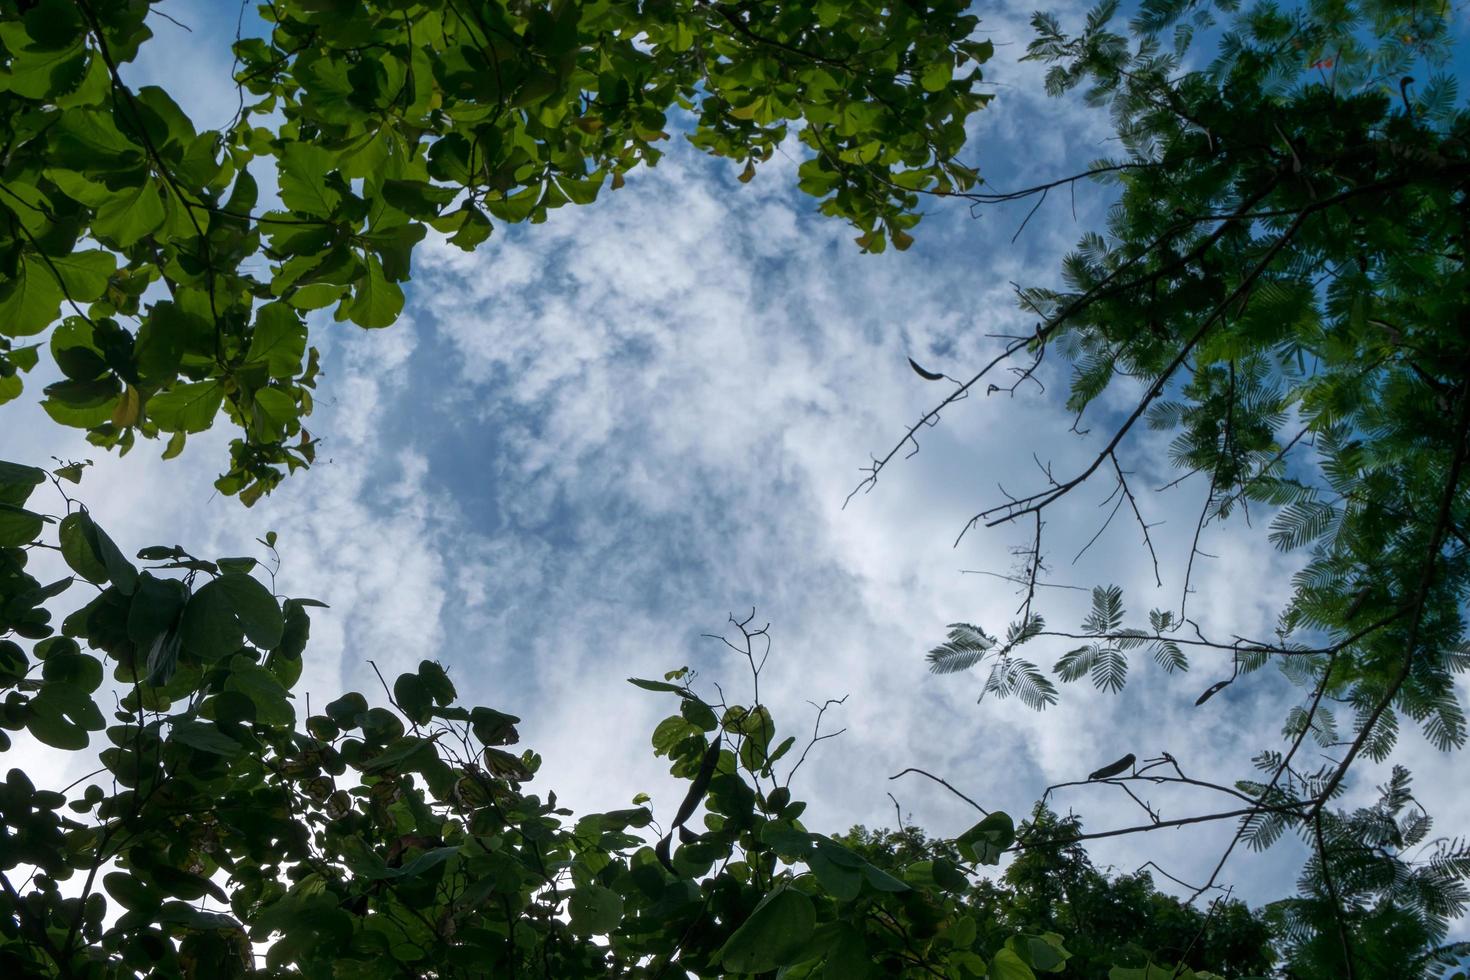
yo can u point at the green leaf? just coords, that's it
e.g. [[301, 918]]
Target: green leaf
[[316, 296], [130, 891], [842, 883], [1045, 953], [882, 880], [186, 884], [72, 668], [848, 957], [259, 613], [18, 526], [130, 215], [82, 404], [937, 74], [187, 407], [375, 302], [163, 338], [398, 752], [30, 302], [437, 683], [427, 861], [279, 340], [648, 685], [90, 553], [209, 627], [595, 910], [412, 698], [272, 706], [204, 736], [85, 274], [38, 72], [61, 716], [418, 198], [987, 840], [776, 934], [303, 168], [1006, 965], [77, 550], [17, 482]]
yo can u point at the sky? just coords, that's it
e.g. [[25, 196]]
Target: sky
[[590, 442]]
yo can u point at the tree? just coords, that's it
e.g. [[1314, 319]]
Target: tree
[[1119, 921], [1291, 303], [383, 119], [226, 835], [1282, 284]]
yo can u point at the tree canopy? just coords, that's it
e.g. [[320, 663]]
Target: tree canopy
[[1281, 285], [376, 121], [1109, 921], [395, 836]]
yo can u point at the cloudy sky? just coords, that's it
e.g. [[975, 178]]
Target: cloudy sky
[[588, 443]]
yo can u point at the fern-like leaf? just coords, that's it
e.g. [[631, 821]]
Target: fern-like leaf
[[967, 646], [1169, 656]]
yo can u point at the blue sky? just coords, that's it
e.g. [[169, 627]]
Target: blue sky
[[587, 443]]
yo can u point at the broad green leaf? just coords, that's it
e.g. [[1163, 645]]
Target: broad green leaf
[[1006, 965], [279, 340], [30, 302], [37, 71], [187, 407], [258, 611], [130, 215], [988, 839], [847, 957], [936, 75], [209, 627], [594, 910], [84, 274], [77, 548], [1045, 953], [165, 336], [303, 169], [271, 700], [437, 683], [279, 407], [17, 482], [81, 673], [204, 736], [398, 752], [375, 302], [130, 891], [842, 883], [61, 716], [91, 553], [18, 526], [412, 698], [776, 934], [82, 404], [426, 862]]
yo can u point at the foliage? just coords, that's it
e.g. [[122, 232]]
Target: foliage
[[1282, 285], [187, 289], [1117, 921], [226, 835], [1397, 890]]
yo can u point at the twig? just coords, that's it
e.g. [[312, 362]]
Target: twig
[[943, 783]]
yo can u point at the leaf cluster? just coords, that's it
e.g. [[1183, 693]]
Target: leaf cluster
[[230, 831], [186, 292]]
